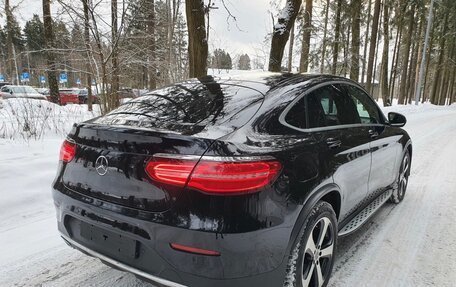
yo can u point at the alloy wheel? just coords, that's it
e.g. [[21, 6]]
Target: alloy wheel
[[318, 253], [403, 177]]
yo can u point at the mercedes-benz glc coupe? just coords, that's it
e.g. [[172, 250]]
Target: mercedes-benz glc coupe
[[241, 181]]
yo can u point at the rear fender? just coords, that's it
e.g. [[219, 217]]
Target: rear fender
[[309, 203]]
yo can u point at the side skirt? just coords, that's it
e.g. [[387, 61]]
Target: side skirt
[[365, 214]]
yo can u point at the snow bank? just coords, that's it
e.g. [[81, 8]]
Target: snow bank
[[34, 119]]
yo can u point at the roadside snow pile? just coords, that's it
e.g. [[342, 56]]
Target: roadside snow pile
[[33, 119], [413, 109]]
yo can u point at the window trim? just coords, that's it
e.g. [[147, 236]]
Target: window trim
[[319, 129]]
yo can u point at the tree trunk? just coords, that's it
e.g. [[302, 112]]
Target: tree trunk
[[49, 44], [420, 55], [281, 33], [88, 48], [304, 63], [356, 23], [451, 89], [385, 53], [374, 75], [428, 63], [152, 65], [437, 77], [366, 39], [395, 62], [452, 74], [10, 67], [413, 64], [372, 45], [197, 42], [405, 57], [290, 49], [336, 37], [323, 48], [114, 99]]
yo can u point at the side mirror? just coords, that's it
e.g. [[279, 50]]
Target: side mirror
[[11, 92], [396, 119]]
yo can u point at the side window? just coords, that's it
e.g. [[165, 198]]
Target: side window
[[367, 110], [324, 107], [296, 116]]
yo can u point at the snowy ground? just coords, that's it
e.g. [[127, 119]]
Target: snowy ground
[[411, 244]]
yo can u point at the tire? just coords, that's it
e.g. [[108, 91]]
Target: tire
[[312, 257], [402, 180]]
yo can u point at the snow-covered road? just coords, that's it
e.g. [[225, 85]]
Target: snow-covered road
[[411, 244]]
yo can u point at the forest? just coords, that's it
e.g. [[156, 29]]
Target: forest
[[397, 49]]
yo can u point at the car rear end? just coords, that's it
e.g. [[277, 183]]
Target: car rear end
[[69, 96], [153, 189]]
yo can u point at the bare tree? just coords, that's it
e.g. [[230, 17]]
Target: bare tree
[[356, 26], [290, 49], [372, 45], [336, 37], [437, 77], [281, 33], [114, 98], [85, 5], [152, 57], [384, 68], [49, 43], [304, 63], [325, 32], [197, 41], [405, 56]]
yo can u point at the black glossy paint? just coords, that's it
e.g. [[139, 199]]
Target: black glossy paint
[[242, 116]]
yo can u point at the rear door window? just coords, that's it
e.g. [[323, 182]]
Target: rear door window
[[324, 107]]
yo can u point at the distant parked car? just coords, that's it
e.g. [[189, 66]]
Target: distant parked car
[[127, 93], [83, 97], [10, 91], [68, 96], [4, 84], [43, 91]]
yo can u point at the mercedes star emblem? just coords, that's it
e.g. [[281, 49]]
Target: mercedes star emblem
[[101, 165]]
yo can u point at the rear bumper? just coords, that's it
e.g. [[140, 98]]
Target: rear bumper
[[247, 259], [119, 265]]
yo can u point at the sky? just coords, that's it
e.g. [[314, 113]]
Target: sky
[[245, 35]]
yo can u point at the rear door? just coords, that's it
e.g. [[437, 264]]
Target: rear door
[[343, 142]]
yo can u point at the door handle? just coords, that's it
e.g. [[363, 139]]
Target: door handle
[[373, 134], [333, 142]]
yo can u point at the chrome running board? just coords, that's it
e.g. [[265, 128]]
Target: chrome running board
[[365, 214], [122, 266]]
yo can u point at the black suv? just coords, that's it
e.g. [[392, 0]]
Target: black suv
[[230, 181]]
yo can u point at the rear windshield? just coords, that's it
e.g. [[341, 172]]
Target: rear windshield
[[189, 108]]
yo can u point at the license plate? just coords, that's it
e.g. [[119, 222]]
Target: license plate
[[109, 242]]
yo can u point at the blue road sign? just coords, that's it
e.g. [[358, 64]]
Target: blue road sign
[[25, 77], [94, 82], [2, 78], [42, 79], [78, 81], [63, 78]]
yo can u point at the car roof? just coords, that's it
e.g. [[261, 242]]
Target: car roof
[[269, 82]]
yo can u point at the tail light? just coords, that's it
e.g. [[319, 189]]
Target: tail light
[[214, 175], [67, 151]]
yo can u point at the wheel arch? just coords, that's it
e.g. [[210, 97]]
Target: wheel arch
[[329, 193]]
